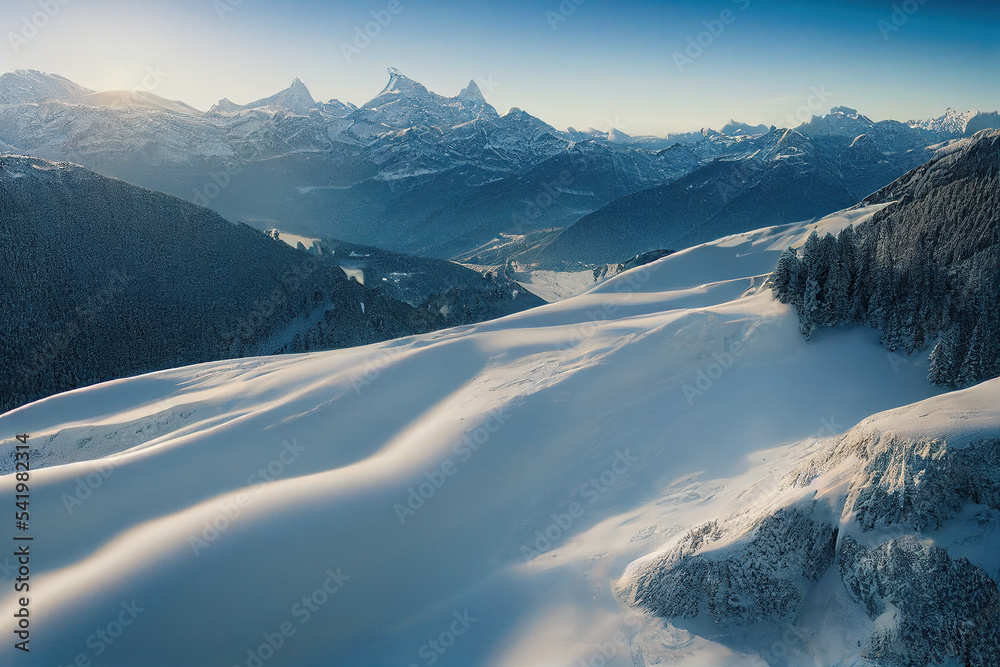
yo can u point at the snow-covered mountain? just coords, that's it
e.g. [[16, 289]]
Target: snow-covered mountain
[[137, 99], [296, 99], [34, 87], [959, 123], [881, 547], [404, 104], [475, 496], [410, 170], [734, 128], [779, 177], [459, 294]]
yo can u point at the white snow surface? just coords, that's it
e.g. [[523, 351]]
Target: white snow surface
[[554, 286], [552, 448]]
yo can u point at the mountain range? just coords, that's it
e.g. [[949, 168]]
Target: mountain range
[[416, 172], [780, 176]]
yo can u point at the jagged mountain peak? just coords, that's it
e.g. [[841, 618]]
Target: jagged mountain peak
[[617, 136], [840, 121], [406, 104], [472, 100], [399, 88], [789, 141], [399, 83], [225, 105], [519, 114], [472, 93], [296, 99]]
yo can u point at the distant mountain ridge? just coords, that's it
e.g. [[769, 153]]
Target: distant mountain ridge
[[783, 176], [296, 98], [410, 170]]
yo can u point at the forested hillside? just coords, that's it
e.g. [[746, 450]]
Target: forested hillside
[[456, 293], [102, 279], [924, 271]]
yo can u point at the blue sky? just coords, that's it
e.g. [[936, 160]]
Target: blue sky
[[634, 65]]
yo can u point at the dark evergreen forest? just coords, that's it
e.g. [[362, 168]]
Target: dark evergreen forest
[[100, 279], [924, 271]]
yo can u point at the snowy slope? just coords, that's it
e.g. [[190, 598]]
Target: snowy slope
[[32, 87], [903, 510], [469, 497]]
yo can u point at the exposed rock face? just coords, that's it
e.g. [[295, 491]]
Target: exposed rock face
[[762, 576], [936, 609], [905, 508]]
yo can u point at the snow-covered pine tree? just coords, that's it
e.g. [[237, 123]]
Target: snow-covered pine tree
[[942, 362], [972, 370], [818, 309], [785, 279]]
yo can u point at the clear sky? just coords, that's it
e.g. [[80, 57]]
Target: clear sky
[[580, 63]]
